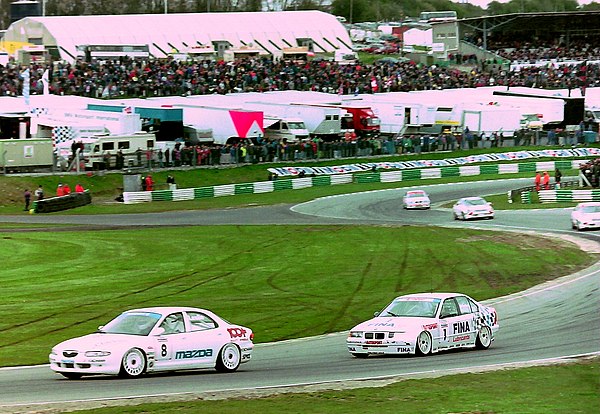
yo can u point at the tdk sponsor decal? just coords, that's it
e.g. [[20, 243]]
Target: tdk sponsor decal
[[196, 353]]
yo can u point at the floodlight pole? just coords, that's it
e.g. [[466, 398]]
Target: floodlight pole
[[166, 3]]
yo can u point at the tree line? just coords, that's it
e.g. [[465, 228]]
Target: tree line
[[353, 10]]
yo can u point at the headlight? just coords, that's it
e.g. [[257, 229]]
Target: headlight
[[96, 354], [355, 334], [392, 334]]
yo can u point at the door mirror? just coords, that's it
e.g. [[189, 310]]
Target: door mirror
[[159, 331]]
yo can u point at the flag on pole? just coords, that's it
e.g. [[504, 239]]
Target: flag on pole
[[26, 85]]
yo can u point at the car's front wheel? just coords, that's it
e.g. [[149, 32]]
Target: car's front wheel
[[484, 338], [133, 363], [229, 358], [424, 343]]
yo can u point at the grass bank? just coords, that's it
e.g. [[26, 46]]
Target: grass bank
[[318, 279], [571, 388], [105, 187]]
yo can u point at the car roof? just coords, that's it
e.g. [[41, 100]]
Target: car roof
[[415, 192], [472, 198], [165, 309], [432, 295]]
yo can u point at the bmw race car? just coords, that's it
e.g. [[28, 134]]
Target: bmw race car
[[586, 216], [425, 323], [472, 208], [155, 339], [416, 199]]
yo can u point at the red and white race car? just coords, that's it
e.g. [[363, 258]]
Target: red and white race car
[[425, 323], [155, 339]]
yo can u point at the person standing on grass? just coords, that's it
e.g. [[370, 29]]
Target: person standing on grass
[[546, 180], [27, 197], [39, 193], [557, 178]]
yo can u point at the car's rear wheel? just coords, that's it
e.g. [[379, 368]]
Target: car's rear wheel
[[133, 363], [229, 358], [71, 375], [424, 343], [484, 338]]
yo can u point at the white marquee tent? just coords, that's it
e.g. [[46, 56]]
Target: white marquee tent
[[164, 33]]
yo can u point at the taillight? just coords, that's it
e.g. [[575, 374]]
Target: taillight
[[495, 318], [252, 336]]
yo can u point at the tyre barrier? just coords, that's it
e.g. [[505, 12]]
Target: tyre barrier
[[571, 196], [67, 202], [360, 178]]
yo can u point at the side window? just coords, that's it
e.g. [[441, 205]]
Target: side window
[[173, 324], [201, 322], [463, 305], [474, 307], [449, 309]]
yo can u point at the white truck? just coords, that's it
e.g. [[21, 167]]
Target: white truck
[[288, 129], [323, 122], [488, 119]]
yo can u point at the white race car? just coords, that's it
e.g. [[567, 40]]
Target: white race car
[[586, 216], [472, 208], [155, 339], [425, 323], [416, 199]]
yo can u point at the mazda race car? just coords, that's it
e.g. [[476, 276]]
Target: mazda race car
[[425, 323], [472, 208], [416, 199], [155, 339], [586, 216]]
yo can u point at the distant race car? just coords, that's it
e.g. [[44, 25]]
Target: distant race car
[[155, 339], [425, 323], [416, 199], [472, 208], [586, 216]]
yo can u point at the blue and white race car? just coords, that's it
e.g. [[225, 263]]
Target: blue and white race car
[[425, 323], [155, 339]]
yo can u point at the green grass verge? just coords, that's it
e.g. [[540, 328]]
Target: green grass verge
[[571, 388], [318, 279], [105, 187]]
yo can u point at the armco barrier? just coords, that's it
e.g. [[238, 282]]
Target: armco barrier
[[573, 196], [361, 178]]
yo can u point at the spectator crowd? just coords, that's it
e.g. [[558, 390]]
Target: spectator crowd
[[130, 77]]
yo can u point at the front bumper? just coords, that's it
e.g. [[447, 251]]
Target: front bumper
[[109, 365], [380, 349]]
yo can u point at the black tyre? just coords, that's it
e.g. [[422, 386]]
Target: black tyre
[[484, 338], [133, 363], [424, 344], [360, 356], [229, 358]]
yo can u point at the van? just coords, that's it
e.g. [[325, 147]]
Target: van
[[109, 145]]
